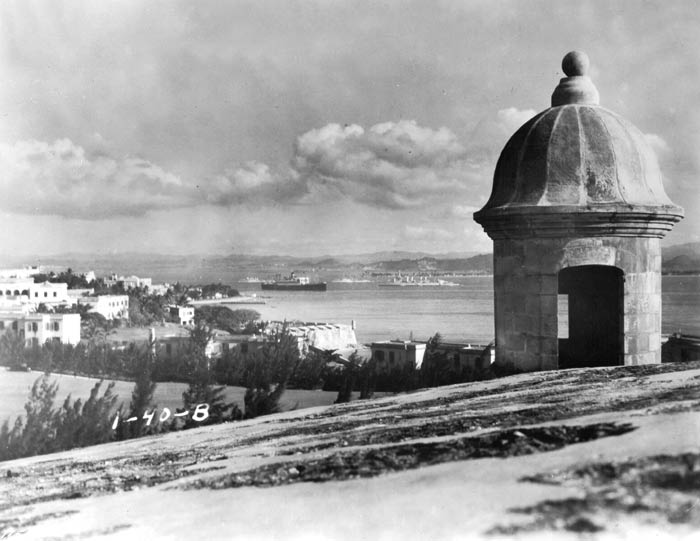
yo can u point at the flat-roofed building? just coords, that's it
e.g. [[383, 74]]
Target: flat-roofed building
[[681, 348], [183, 314], [37, 329], [109, 306], [391, 354], [42, 328], [50, 293], [329, 336], [24, 273]]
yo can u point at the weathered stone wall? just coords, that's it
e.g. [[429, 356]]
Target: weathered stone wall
[[526, 287]]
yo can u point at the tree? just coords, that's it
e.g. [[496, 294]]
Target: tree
[[201, 389], [12, 350], [86, 423], [142, 394], [45, 429], [432, 372], [268, 371]]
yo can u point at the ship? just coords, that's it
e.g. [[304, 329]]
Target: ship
[[421, 281], [294, 283]]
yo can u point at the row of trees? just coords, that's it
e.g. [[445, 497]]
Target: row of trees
[[266, 374], [46, 428]]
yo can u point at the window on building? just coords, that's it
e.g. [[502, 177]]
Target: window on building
[[46, 293], [392, 356], [379, 356], [35, 327], [56, 326], [14, 325], [2, 325], [54, 294]]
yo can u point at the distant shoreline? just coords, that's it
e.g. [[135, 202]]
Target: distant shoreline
[[229, 300]]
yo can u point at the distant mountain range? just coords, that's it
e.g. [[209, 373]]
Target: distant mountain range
[[677, 259], [681, 258]]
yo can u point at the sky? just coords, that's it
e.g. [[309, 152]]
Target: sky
[[309, 128]]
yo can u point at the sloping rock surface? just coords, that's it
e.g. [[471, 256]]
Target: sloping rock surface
[[591, 453]]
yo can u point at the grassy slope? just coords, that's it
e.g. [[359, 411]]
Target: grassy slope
[[15, 387]]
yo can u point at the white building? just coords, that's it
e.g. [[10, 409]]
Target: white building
[[15, 288], [334, 336], [37, 329], [159, 289], [41, 328], [184, 314], [25, 273], [109, 306], [395, 354], [49, 293], [128, 282], [76, 294]]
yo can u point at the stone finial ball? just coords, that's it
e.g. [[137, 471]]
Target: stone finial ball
[[575, 63]]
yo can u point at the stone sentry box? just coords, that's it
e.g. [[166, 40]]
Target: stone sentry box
[[577, 209]]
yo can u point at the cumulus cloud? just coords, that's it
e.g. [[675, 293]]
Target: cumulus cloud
[[390, 165], [510, 119], [255, 184], [395, 165], [61, 179], [658, 144]]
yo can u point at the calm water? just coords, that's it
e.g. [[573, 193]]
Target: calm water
[[459, 313]]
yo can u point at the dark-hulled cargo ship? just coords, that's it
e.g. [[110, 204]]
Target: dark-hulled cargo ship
[[294, 283]]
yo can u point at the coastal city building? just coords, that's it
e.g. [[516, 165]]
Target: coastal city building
[[50, 294], [466, 356], [15, 290], [324, 336], [23, 273], [159, 289], [683, 348], [24, 290], [109, 306], [576, 214], [76, 294], [41, 328], [184, 315], [128, 282], [36, 329], [393, 354]]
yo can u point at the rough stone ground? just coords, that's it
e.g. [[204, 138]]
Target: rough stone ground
[[596, 453]]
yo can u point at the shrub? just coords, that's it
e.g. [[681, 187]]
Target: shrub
[[47, 430]]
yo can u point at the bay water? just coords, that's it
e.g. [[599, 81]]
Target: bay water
[[459, 313]]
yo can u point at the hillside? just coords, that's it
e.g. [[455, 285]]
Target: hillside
[[191, 269], [609, 453]]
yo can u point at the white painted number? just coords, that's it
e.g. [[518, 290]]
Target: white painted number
[[201, 412], [149, 417], [164, 415]]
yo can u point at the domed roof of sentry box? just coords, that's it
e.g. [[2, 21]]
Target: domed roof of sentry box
[[578, 157]]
